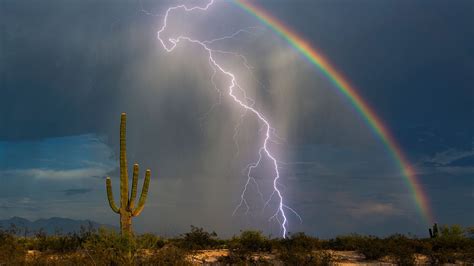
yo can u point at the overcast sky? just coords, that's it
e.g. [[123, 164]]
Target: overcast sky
[[69, 68]]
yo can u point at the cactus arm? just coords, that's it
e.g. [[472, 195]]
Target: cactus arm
[[435, 230], [133, 196], [110, 195], [123, 162], [144, 194]]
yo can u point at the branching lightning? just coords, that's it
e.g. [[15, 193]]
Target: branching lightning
[[244, 102]]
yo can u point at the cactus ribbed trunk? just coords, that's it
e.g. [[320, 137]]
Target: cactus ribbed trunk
[[127, 208], [125, 223], [434, 232], [123, 162]]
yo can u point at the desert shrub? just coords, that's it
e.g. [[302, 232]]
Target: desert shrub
[[242, 247], [454, 232], [252, 241], [452, 244], [468, 255], [295, 249], [373, 248], [348, 242], [299, 242], [236, 257], [109, 247], [168, 255], [469, 231], [441, 257], [319, 257], [233, 258], [149, 241], [11, 251], [444, 250], [298, 249], [59, 243], [56, 243], [197, 239], [422, 246], [401, 248]]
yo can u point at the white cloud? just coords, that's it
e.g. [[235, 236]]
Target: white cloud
[[59, 174], [448, 156], [440, 162]]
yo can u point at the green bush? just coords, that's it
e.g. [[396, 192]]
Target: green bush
[[312, 258], [108, 247], [299, 249], [348, 242], [373, 248], [198, 239], [251, 241], [149, 241], [402, 249], [299, 242], [242, 247], [168, 255], [11, 251], [452, 244], [57, 243]]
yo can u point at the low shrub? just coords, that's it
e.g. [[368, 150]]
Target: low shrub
[[347, 242], [299, 249], [149, 241], [11, 251], [57, 243], [373, 248], [402, 249], [234, 258], [109, 247], [198, 239], [298, 242], [168, 255], [241, 248], [251, 241]]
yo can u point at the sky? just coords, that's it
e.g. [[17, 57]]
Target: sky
[[69, 68]]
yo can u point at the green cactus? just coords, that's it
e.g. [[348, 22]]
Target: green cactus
[[127, 208]]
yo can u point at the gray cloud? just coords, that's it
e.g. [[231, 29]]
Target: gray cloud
[[80, 65], [59, 174], [76, 191]]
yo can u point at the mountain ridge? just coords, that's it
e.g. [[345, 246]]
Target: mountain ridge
[[49, 226]]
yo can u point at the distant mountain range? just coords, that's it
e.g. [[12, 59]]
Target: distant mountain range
[[49, 226]]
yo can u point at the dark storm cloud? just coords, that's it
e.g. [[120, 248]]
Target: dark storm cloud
[[69, 68], [411, 56]]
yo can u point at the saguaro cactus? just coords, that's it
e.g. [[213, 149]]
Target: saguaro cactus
[[127, 208], [434, 231]]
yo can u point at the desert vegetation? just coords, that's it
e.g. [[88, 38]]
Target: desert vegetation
[[453, 244], [102, 246]]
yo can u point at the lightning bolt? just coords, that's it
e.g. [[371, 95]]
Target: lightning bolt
[[244, 102]]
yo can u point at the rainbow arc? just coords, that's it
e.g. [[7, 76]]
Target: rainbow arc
[[343, 86]]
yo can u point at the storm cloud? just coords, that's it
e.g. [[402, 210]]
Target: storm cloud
[[68, 69]]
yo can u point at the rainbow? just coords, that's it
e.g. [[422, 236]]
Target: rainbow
[[365, 111]]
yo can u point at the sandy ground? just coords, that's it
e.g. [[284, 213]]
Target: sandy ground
[[340, 258]]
